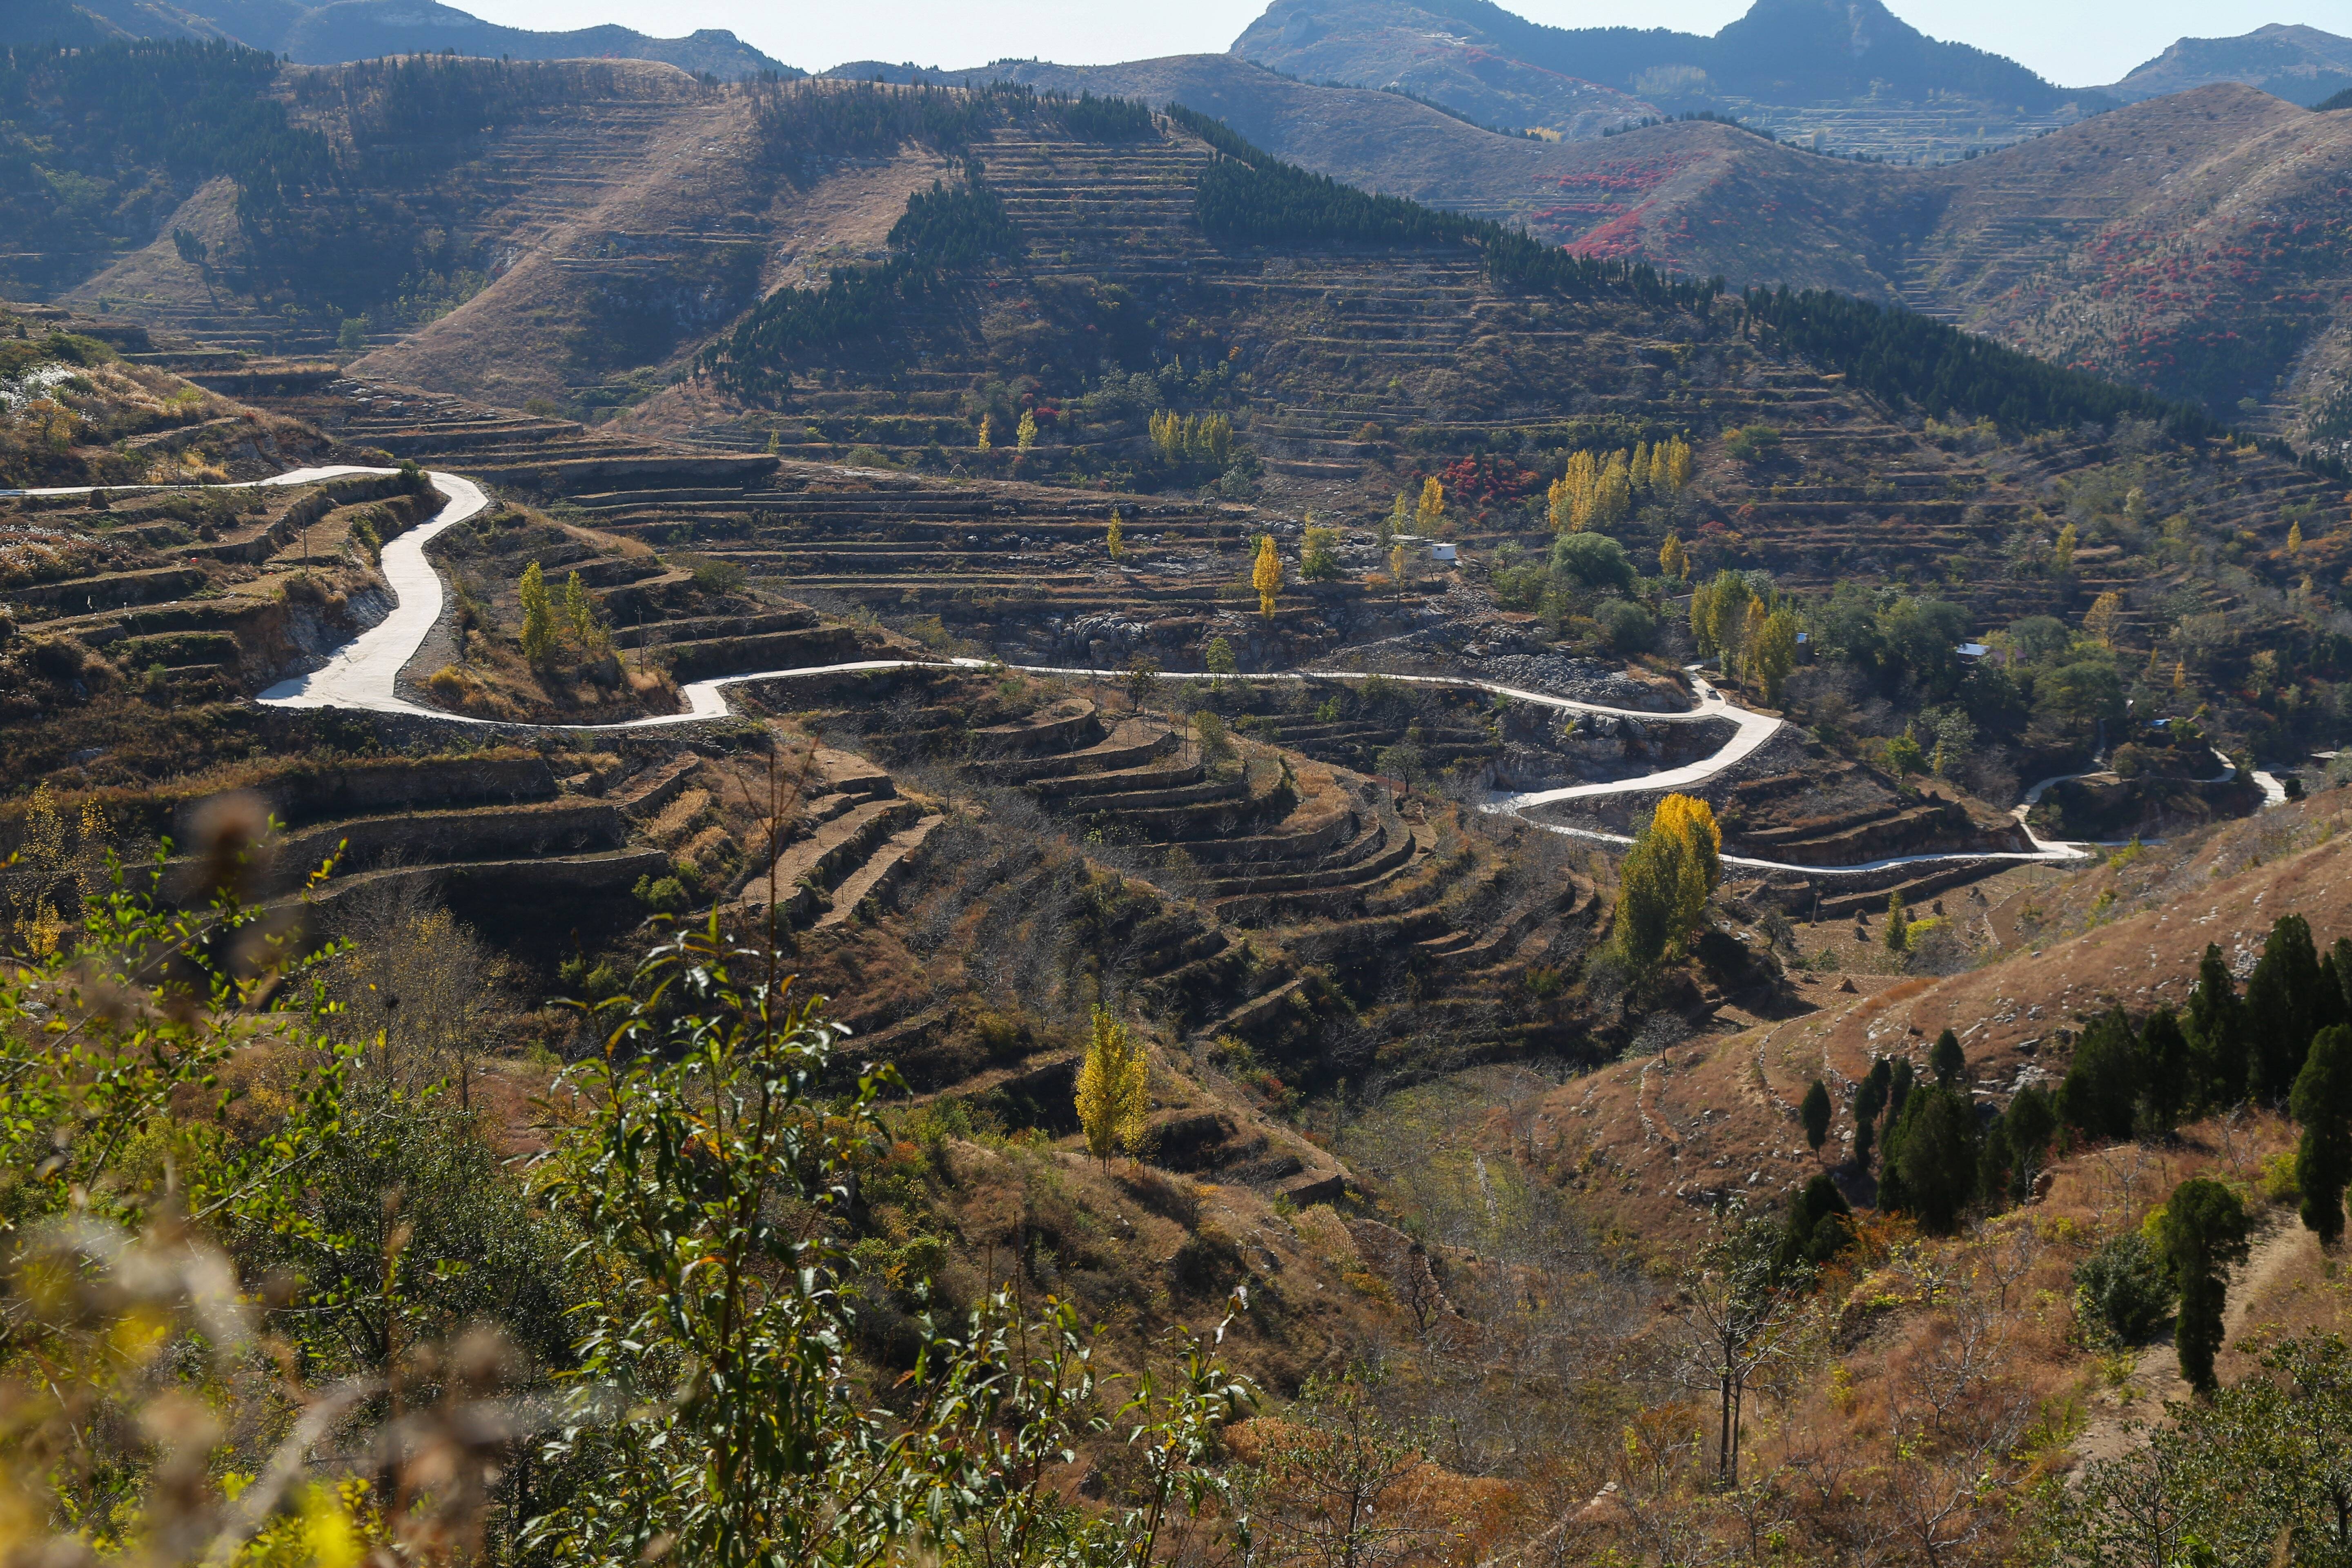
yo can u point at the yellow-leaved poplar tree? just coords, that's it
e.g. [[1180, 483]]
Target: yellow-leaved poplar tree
[[2101, 619], [1583, 482], [2295, 537], [987, 424], [579, 616], [1719, 616], [537, 614], [1665, 880], [1432, 510], [1681, 466], [1555, 504], [1115, 540], [1114, 1093], [1265, 575], [1024, 434], [1773, 652], [1613, 502], [1674, 562], [2061, 558]]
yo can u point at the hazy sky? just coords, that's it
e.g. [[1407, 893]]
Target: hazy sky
[[2077, 43]]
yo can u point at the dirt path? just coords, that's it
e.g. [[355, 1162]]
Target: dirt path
[[2155, 1379]]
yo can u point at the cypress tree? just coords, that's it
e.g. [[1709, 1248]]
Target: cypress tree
[[1899, 1079], [2279, 1007], [2167, 1063], [1996, 1162], [2321, 1101], [2101, 1088], [1934, 1151], [2028, 1126], [2202, 1234], [1820, 1222], [1869, 1101], [1947, 1059], [2327, 1008], [1815, 1114], [2216, 1031]]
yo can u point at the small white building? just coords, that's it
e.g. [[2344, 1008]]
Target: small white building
[[1440, 552]]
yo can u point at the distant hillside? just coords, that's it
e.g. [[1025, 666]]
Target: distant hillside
[[1474, 55], [2301, 65], [364, 29], [1384, 142], [1256, 99], [370, 29], [53, 22]]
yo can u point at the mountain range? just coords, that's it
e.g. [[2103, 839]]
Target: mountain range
[[369, 29], [2301, 65], [1781, 51]]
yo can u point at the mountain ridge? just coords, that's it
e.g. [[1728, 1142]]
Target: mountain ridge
[[2300, 64], [347, 30], [1811, 49]]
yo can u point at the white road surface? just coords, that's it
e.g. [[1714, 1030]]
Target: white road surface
[[363, 675]]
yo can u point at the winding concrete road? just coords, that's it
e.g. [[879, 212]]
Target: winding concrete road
[[364, 673]]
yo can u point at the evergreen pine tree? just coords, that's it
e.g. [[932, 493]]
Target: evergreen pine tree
[[2279, 1004], [1820, 1224], [2171, 1069], [1945, 1059], [2321, 1101], [2028, 1125], [2203, 1232], [1899, 1079], [2102, 1083], [2327, 1008], [1934, 1148], [2217, 1033], [1869, 1102], [1814, 1113]]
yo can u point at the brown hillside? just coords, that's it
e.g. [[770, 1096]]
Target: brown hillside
[[598, 127], [1653, 1141], [677, 241], [1304, 105]]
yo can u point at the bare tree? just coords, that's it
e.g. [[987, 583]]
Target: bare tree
[[1336, 1485], [1745, 1314]]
